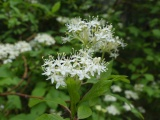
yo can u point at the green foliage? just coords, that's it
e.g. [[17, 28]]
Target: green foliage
[[49, 117], [98, 89], [136, 22], [56, 7], [84, 112]]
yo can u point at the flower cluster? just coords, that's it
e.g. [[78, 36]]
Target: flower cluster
[[63, 20], [8, 52], [108, 98], [80, 65], [131, 94], [95, 35], [44, 39], [113, 110]]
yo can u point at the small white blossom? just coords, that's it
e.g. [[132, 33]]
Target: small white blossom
[[44, 39], [33, 1], [130, 94], [128, 107], [116, 88], [108, 98], [113, 110], [23, 46], [1, 107], [8, 52], [141, 109], [80, 64], [138, 87]]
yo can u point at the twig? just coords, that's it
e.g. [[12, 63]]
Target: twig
[[20, 94], [23, 77], [66, 109], [31, 37], [25, 68]]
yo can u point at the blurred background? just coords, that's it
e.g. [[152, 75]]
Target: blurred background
[[26, 24]]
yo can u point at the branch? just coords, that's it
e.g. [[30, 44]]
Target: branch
[[24, 75], [20, 94], [31, 37]]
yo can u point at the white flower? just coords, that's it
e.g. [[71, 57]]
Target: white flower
[[130, 94], [141, 109], [113, 110], [95, 35], [44, 39], [8, 52], [76, 25], [128, 107], [108, 98], [138, 87], [1, 107], [116, 88], [33, 1], [62, 19], [80, 65], [23, 46]]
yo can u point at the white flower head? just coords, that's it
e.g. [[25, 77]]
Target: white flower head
[[1, 107], [23, 46], [8, 52], [138, 87], [128, 107], [141, 109], [130, 94], [113, 110], [45, 39], [116, 88], [80, 64], [95, 35], [109, 98]]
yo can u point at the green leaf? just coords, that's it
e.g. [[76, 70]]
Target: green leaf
[[38, 109], [119, 78], [19, 117], [49, 117], [38, 91], [14, 102], [93, 101], [2, 16], [73, 89], [55, 102], [66, 49], [154, 22], [108, 72], [84, 112], [156, 33], [149, 77], [92, 80], [59, 98], [134, 30], [98, 89], [9, 81], [34, 101], [56, 7], [5, 71]]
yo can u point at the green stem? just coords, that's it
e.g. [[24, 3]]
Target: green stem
[[103, 53], [73, 110]]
